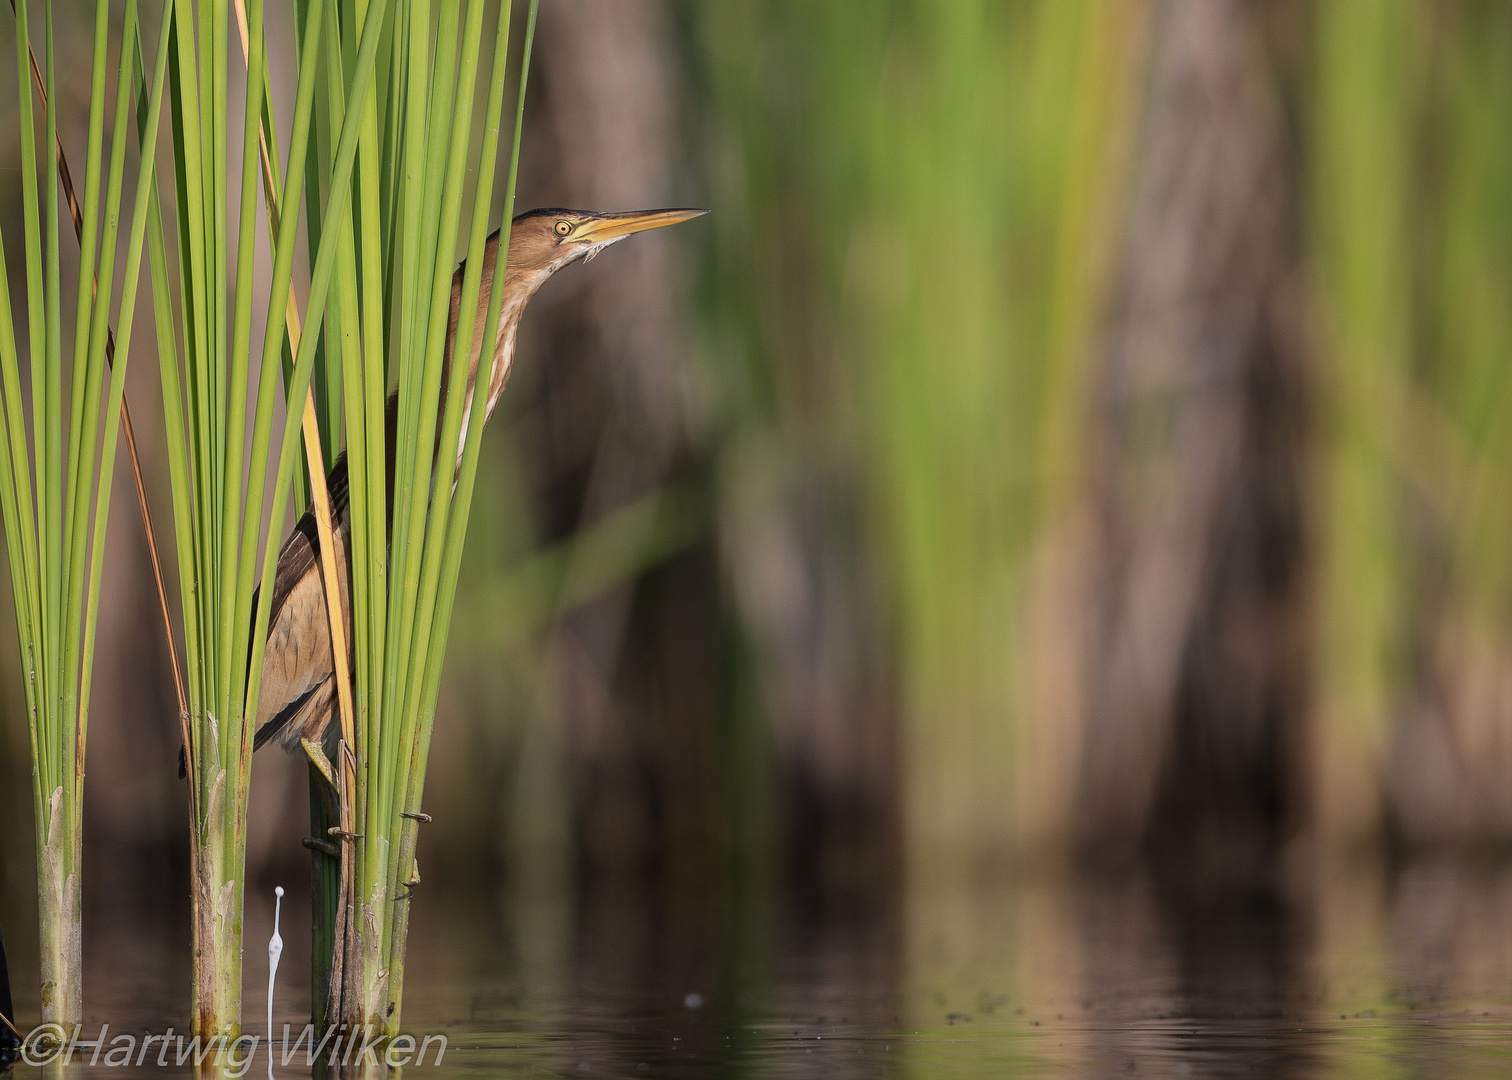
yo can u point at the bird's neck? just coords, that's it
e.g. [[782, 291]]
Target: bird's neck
[[498, 375], [519, 287], [502, 361], [497, 358]]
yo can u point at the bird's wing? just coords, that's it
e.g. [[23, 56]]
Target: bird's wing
[[297, 660], [300, 554], [293, 716]]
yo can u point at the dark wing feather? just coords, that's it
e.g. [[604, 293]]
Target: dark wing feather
[[299, 558], [268, 731]]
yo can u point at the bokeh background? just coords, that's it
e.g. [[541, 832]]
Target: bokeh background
[[1078, 447]]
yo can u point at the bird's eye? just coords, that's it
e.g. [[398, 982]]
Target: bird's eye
[[562, 228]]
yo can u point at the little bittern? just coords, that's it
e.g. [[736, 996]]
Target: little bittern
[[298, 684]]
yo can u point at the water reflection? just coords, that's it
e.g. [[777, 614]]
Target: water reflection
[[1212, 983], [1365, 970], [1359, 968]]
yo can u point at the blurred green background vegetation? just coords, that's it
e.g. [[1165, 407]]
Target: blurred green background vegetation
[[895, 338], [789, 559]]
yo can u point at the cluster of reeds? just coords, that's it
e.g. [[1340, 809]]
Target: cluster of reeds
[[395, 264], [55, 485], [384, 92], [219, 496]]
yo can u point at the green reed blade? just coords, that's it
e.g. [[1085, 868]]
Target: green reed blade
[[190, 569], [415, 767], [50, 478], [319, 284], [241, 332], [144, 199], [87, 253], [84, 443]]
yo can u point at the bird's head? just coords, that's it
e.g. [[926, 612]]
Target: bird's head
[[543, 241]]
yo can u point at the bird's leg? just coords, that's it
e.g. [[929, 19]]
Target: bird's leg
[[419, 819], [319, 760], [321, 764], [349, 759], [330, 797], [329, 807]]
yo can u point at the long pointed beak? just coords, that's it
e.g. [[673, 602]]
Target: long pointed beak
[[608, 227]]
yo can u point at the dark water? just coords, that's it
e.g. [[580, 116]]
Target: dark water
[[1364, 972]]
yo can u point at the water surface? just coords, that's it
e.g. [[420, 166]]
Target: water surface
[[1361, 972]]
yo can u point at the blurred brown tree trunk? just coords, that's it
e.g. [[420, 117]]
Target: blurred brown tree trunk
[[1199, 652], [635, 670]]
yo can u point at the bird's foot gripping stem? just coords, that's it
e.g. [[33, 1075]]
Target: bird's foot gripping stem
[[314, 843], [410, 885]]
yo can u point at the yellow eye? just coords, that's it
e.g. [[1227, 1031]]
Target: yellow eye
[[562, 228]]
